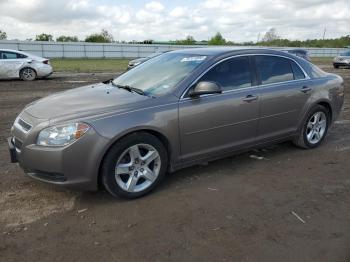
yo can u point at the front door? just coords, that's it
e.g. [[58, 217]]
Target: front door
[[10, 64], [211, 124]]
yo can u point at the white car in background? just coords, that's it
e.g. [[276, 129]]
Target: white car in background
[[342, 60], [18, 64]]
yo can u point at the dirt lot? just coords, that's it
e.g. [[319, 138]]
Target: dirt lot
[[236, 209]]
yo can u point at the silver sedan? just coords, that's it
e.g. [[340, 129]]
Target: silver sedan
[[342, 60], [17, 64]]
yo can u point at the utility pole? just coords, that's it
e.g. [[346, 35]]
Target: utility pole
[[324, 32], [258, 38]]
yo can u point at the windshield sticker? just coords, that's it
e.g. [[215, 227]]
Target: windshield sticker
[[193, 58], [165, 86]]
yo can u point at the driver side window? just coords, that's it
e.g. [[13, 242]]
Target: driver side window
[[230, 74]]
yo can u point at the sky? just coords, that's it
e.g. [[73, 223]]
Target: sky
[[237, 20]]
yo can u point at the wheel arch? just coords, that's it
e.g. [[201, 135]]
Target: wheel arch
[[164, 140], [328, 106], [323, 102], [25, 67]]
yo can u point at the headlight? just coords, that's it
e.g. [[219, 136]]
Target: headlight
[[61, 135]]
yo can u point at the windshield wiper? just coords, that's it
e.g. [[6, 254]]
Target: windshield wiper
[[130, 89]]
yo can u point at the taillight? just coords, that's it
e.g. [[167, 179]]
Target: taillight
[[47, 62]]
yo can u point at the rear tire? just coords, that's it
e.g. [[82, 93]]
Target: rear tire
[[314, 128], [134, 166], [27, 74], [336, 66]]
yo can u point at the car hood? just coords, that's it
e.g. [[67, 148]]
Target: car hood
[[85, 101], [343, 57]]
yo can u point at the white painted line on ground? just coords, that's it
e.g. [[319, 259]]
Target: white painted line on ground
[[342, 122], [341, 149]]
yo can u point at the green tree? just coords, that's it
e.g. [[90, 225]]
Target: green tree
[[217, 39], [44, 37], [189, 40], [64, 38], [3, 35], [340, 42], [103, 37], [271, 35], [148, 41]]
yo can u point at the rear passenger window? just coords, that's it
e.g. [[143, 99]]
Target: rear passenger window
[[298, 74], [273, 69], [8, 55], [231, 74], [21, 56]]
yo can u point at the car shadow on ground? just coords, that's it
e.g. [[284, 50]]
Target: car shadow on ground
[[228, 166]]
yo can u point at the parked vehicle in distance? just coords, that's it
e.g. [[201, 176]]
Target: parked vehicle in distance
[[18, 64], [140, 60], [178, 109], [342, 60], [299, 52]]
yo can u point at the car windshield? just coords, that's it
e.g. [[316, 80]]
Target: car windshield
[[345, 53], [160, 74], [153, 55]]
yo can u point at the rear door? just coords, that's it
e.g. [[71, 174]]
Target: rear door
[[10, 64], [284, 90], [212, 124]]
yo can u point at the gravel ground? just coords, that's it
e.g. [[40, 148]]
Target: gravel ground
[[291, 205]]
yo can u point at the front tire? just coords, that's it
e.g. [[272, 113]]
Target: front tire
[[134, 166], [314, 129], [27, 74]]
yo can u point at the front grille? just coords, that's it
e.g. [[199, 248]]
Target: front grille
[[24, 125]]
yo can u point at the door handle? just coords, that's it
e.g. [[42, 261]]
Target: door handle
[[305, 89], [250, 98]]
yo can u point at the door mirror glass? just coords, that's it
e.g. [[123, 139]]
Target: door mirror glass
[[205, 88]]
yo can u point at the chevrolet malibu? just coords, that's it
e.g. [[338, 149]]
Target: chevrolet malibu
[[28, 67], [175, 110]]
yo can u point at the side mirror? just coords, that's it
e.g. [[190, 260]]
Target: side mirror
[[205, 88]]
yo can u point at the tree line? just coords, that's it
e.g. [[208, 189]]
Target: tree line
[[270, 38]]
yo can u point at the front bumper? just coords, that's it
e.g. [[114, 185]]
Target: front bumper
[[341, 64], [73, 166], [12, 150], [44, 71]]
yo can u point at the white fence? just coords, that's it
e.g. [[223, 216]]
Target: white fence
[[114, 50]]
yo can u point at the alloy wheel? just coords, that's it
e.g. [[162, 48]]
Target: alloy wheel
[[137, 168], [316, 127], [28, 74]]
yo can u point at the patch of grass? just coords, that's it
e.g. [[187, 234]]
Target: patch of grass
[[321, 60], [89, 65]]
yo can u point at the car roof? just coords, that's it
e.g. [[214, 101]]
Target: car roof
[[10, 50], [221, 51], [15, 51]]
